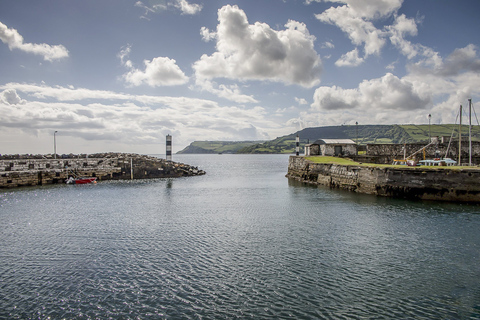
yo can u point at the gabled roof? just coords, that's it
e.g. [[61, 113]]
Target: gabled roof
[[334, 141]]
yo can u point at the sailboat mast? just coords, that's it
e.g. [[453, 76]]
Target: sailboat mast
[[460, 139], [470, 132]]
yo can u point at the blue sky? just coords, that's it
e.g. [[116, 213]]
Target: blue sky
[[118, 75]]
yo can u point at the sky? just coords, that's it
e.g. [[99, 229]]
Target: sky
[[119, 75]]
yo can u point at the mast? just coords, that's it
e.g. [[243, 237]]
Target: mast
[[460, 138], [470, 132]]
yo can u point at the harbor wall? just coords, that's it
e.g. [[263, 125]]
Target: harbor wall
[[386, 153], [426, 183], [34, 172]]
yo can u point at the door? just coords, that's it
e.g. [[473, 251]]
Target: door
[[338, 151]]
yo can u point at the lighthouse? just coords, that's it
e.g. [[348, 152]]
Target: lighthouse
[[169, 148]]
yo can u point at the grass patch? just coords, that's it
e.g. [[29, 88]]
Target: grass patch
[[335, 160], [350, 162]]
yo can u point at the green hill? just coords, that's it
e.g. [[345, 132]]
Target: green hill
[[362, 134], [217, 146]]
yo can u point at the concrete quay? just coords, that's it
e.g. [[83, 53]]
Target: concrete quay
[[28, 170], [416, 183]]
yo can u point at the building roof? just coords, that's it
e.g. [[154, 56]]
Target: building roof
[[334, 141]]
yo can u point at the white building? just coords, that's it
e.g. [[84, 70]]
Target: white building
[[331, 147]]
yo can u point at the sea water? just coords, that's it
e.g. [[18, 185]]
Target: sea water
[[240, 242]]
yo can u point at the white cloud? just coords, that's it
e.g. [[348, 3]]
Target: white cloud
[[350, 59], [371, 9], [432, 86], [161, 5], [10, 96], [328, 45], [14, 40], [461, 60], [402, 27], [301, 100], [188, 8], [257, 52], [161, 71], [355, 21], [207, 35], [229, 92], [386, 93], [127, 121]]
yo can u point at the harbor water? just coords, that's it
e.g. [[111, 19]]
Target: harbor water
[[241, 241]]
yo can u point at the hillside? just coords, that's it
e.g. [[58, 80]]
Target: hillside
[[363, 134], [217, 146]]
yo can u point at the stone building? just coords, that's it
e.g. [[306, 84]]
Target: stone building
[[331, 147]]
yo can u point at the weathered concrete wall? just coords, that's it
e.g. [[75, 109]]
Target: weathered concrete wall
[[32, 172], [404, 182], [386, 153]]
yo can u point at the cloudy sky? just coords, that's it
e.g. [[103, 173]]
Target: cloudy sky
[[119, 75]]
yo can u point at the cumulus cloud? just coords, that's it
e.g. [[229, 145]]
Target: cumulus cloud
[[350, 59], [432, 86], [386, 93], [355, 19], [160, 71], [131, 120], [461, 60], [207, 35], [188, 8], [229, 92], [257, 52], [10, 97], [14, 40], [301, 100], [371, 9], [403, 26]]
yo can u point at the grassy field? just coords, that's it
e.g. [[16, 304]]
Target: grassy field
[[350, 162]]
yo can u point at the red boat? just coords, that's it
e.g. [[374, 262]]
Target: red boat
[[82, 180]]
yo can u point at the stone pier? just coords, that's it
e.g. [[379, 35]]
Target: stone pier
[[18, 171], [426, 183]]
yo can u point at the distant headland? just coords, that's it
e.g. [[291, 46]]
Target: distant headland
[[361, 134]]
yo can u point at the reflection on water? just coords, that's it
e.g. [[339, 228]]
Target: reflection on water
[[242, 241]]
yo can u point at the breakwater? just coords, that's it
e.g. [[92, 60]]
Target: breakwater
[[426, 183], [18, 171]]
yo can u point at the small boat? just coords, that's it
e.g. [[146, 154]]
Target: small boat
[[438, 162], [81, 180]]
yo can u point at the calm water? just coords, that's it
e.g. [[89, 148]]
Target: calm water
[[240, 242]]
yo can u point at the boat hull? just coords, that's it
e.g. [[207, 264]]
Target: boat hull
[[81, 180]]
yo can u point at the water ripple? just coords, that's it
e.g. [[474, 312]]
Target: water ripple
[[238, 243]]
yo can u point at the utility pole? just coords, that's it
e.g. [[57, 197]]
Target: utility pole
[[297, 146], [470, 132], [429, 130], [460, 138]]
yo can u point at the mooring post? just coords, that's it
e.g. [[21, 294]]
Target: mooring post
[[131, 168]]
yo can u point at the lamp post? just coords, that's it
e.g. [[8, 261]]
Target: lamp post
[[356, 135], [55, 144]]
